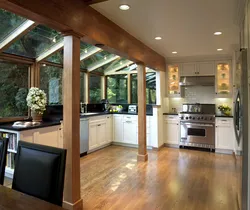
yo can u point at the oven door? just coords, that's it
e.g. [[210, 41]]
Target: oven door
[[197, 133]]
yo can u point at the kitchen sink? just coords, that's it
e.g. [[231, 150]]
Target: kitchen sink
[[90, 113]]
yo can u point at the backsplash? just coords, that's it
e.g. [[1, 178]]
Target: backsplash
[[198, 94]]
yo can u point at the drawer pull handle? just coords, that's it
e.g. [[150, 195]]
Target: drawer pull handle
[[99, 125], [224, 120]]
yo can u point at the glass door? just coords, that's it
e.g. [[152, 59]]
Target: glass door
[[173, 80], [223, 78]]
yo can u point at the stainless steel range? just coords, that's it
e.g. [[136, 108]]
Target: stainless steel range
[[198, 126]]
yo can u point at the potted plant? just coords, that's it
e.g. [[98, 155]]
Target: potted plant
[[224, 109], [36, 100]]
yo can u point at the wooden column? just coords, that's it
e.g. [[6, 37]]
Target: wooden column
[[129, 88], [35, 75], [71, 121], [142, 133]]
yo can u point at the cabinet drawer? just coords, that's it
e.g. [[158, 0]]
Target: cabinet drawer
[[224, 122], [171, 117]]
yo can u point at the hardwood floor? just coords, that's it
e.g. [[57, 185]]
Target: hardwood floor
[[171, 179]]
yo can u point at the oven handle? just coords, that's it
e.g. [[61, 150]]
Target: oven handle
[[199, 125]]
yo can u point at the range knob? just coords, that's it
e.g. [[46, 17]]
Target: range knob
[[190, 117], [182, 117], [201, 118], [211, 118], [193, 118], [198, 118], [186, 118], [205, 118]]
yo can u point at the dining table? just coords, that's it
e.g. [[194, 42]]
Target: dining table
[[14, 200]]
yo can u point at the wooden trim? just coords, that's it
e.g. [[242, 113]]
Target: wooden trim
[[57, 47], [16, 34], [13, 119], [90, 24], [142, 119], [129, 88], [103, 62], [52, 64], [15, 58], [90, 53], [71, 119]]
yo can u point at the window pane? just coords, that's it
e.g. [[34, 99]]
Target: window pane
[[37, 41], [117, 89], [14, 89], [134, 97], [151, 88], [94, 88], [9, 22], [56, 58], [51, 83], [82, 89]]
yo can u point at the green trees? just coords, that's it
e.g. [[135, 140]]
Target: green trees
[[117, 89]]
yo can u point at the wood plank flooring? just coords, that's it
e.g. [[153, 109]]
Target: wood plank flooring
[[172, 179]]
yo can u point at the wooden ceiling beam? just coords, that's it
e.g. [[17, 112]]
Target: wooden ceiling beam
[[89, 2], [111, 70], [103, 62], [92, 26], [91, 52], [50, 51], [16, 34]]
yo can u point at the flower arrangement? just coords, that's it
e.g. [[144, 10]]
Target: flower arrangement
[[225, 109], [36, 100]]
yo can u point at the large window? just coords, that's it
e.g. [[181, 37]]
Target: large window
[[14, 84], [117, 89], [94, 88], [150, 88], [51, 83]]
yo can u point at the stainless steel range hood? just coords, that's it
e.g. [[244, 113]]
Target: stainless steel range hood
[[197, 81]]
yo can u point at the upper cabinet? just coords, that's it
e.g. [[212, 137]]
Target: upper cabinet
[[198, 69], [173, 80], [223, 83]]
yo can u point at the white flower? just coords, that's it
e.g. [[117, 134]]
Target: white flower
[[36, 100]]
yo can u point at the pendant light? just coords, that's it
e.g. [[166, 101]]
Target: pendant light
[[124, 5]]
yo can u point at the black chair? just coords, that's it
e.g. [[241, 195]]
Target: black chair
[[3, 155], [39, 171]]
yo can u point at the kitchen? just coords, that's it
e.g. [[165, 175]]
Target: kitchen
[[106, 111]]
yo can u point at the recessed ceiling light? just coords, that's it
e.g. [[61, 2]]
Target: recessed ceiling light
[[219, 49], [158, 38], [174, 52], [124, 7], [217, 33]]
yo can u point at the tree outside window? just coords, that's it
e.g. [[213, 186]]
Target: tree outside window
[[94, 88], [117, 89]]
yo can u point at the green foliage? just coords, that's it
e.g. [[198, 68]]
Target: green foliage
[[117, 89]]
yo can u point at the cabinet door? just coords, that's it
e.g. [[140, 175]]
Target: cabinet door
[[129, 132], [223, 83], [92, 136], [205, 69], [109, 129], [117, 126], [101, 134], [188, 69], [171, 132], [47, 136], [224, 137]]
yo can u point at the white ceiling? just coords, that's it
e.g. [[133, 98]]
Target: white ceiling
[[186, 26]]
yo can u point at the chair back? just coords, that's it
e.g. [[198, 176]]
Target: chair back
[[39, 171], [3, 156]]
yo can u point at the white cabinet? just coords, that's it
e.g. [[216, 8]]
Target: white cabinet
[[224, 134], [97, 133], [130, 123], [205, 69], [188, 69], [117, 128], [171, 130], [93, 136], [109, 128]]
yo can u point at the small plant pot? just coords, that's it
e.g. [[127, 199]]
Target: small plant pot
[[36, 117]]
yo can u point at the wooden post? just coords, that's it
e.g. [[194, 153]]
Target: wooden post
[[71, 121], [129, 88], [35, 75], [142, 133]]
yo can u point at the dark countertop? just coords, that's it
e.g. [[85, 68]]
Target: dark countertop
[[8, 126], [170, 114], [230, 116]]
